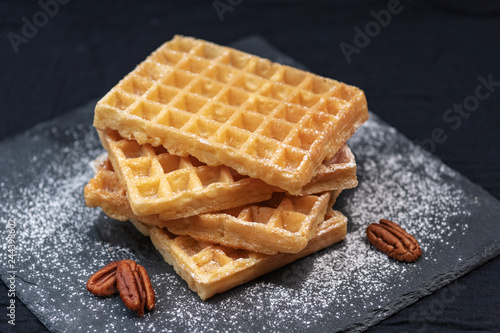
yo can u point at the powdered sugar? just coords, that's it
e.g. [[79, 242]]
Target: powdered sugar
[[349, 285]]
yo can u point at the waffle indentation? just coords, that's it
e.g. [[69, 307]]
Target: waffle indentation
[[195, 90]]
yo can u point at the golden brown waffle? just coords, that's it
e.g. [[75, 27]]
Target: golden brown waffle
[[160, 183], [227, 107], [211, 269], [282, 224]]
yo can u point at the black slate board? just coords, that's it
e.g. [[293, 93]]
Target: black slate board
[[349, 286]]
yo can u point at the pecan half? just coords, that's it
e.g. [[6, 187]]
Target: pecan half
[[103, 282], [135, 287], [393, 240], [148, 288], [129, 280]]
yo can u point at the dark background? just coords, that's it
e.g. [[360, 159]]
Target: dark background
[[426, 60]]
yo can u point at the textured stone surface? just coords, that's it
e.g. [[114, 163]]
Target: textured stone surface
[[60, 242]]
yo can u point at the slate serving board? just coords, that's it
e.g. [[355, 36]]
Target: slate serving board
[[349, 286]]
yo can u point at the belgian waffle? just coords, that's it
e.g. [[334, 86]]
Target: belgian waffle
[[157, 182], [282, 224], [210, 269], [227, 107]]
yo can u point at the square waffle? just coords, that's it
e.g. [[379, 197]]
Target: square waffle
[[282, 224], [157, 182], [226, 107], [210, 269]]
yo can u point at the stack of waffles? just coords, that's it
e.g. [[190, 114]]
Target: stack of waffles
[[229, 162]]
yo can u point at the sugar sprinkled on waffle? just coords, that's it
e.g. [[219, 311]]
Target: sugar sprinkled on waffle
[[226, 107]]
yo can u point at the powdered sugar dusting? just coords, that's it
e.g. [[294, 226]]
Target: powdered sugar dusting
[[349, 285]]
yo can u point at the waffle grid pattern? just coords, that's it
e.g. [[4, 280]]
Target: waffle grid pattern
[[160, 183], [210, 269], [280, 224], [229, 101]]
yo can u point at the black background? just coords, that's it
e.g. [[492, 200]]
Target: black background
[[426, 60]]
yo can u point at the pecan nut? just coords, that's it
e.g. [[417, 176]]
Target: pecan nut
[[129, 280], [135, 287], [148, 288], [393, 240], [103, 282]]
